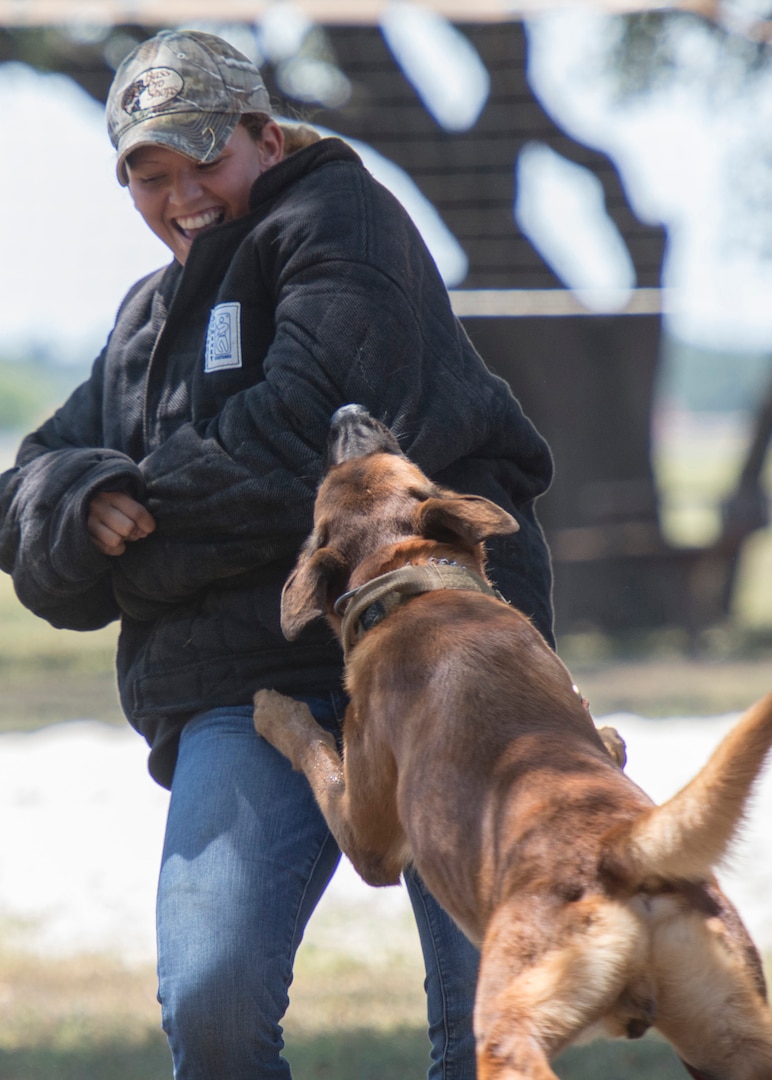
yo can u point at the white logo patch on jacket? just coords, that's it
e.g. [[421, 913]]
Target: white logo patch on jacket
[[223, 337]]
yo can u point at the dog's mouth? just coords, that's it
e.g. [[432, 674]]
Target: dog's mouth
[[355, 433]]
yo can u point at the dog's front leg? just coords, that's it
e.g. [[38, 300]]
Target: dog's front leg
[[371, 837], [289, 726]]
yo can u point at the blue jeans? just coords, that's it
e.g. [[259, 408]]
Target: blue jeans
[[246, 859]]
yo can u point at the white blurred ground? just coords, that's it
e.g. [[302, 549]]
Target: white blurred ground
[[81, 826]]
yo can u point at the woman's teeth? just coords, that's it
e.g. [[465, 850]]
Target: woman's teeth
[[199, 221]]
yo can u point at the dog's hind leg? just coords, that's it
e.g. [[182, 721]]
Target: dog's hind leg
[[543, 982], [359, 811], [711, 1006]]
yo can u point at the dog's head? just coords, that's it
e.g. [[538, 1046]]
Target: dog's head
[[372, 504]]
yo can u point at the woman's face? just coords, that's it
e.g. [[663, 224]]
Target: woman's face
[[180, 198]]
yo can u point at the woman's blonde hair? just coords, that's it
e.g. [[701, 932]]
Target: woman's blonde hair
[[296, 136]]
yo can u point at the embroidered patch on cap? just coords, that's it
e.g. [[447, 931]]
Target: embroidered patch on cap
[[151, 90], [223, 337]]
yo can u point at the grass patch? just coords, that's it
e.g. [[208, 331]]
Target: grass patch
[[27, 641], [648, 1057], [114, 1059], [33, 697], [350, 1019], [51, 675], [665, 686], [65, 1019]]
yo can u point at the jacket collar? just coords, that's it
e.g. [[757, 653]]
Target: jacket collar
[[212, 252], [323, 152]]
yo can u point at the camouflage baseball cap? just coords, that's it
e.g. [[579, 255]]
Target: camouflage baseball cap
[[184, 90]]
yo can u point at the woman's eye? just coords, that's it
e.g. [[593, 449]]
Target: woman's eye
[[216, 162]]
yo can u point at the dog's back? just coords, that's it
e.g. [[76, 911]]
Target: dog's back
[[489, 739]]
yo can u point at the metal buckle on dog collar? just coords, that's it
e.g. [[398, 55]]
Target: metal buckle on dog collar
[[339, 607]]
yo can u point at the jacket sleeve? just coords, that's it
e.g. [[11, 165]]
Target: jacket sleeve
[[57, 571], [361, 316]]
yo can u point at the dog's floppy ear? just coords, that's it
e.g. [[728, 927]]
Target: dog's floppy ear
[[469, 518], [304, 596]]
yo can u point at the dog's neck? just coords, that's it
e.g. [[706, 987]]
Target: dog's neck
[[368, 605]]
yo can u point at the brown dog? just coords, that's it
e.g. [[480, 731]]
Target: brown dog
[[468, 752]]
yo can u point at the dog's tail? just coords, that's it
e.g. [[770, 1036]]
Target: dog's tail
[[688, 835]]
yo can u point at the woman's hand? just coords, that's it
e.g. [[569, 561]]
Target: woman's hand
[[116, 519]]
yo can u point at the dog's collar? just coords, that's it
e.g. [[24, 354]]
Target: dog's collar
[[365, 607]]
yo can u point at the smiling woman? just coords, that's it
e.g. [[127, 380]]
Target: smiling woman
[[179, 198], [175, 114]]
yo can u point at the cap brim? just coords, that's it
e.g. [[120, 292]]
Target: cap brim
[[199, 136]]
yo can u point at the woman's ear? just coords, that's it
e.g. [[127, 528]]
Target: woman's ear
[[270, 145]]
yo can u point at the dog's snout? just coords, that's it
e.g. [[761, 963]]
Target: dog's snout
[[354, 433], [348, 413]]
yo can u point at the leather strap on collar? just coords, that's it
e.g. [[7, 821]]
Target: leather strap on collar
[[365, 607]]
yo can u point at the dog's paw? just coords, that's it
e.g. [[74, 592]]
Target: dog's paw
[[614, 744], [288, 725], [274, 715]]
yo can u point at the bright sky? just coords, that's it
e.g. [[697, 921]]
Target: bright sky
[[72, 243], [681, 153]]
